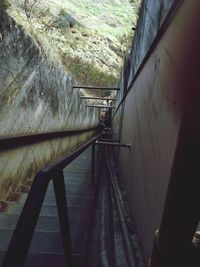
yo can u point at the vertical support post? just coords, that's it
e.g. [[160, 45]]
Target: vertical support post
[[61, 201], [24, 230], [99, 111], [98, 154], [93, 162]]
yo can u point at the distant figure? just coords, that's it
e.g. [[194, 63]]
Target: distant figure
[[108, 115], [101, 125]]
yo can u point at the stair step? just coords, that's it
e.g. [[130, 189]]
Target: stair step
[[45, 259], [45, 242], [69, 193], [77, 169], [72, 201], [74, 188], [46, 223], [46, 247], [81, 176], [50, 260], [79, 179], [51, 210]]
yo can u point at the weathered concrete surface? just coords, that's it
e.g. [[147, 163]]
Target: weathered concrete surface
[[18, 166], [154, 108], [152, 14], [35, 96]]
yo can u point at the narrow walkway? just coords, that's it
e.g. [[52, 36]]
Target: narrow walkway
[[46, 248]]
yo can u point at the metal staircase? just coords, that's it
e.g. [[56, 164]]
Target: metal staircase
[[46, 247]]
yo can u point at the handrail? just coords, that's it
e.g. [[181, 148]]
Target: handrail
[[98, 98], [99, 106], [10, 142], [24, 230], [130, 254], [64, 162], [96, 88]]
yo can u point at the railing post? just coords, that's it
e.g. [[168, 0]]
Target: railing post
[[61, 201], [93, 162], [23, 234]]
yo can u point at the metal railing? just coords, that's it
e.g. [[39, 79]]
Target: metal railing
[[10, 142], [96, 88], [23, 234], [131, 256]]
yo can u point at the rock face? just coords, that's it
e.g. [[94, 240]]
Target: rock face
[[36, 97]]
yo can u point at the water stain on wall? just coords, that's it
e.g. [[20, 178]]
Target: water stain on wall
[[36, 96]]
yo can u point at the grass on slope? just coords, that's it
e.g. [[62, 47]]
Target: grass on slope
[[88, 37]]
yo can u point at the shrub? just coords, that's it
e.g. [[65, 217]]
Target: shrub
[[64, 19], [4, 4], [126, 41], [88, 74]]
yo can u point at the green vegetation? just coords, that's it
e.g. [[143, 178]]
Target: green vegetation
[[89, 37], [65, 20], [4, 4], [88, 74], [126, 40]]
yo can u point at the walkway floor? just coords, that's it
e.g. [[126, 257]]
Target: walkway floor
[[46, 248]]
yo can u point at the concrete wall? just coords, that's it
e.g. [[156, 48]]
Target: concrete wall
[[151, 16], [36, 96], [153, 113]]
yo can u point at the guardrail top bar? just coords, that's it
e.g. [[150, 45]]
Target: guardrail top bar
[[61, 164], [98, 106], [11, 142], [113, 144], [96, 88], [98, 98]]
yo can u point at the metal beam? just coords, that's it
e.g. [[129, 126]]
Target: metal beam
[[61, 201], [99, 106], [96, 88], [11, 142], [93, 163], [109, 140], [113, 144], [128, 244], [98, 98], [111, 133]]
